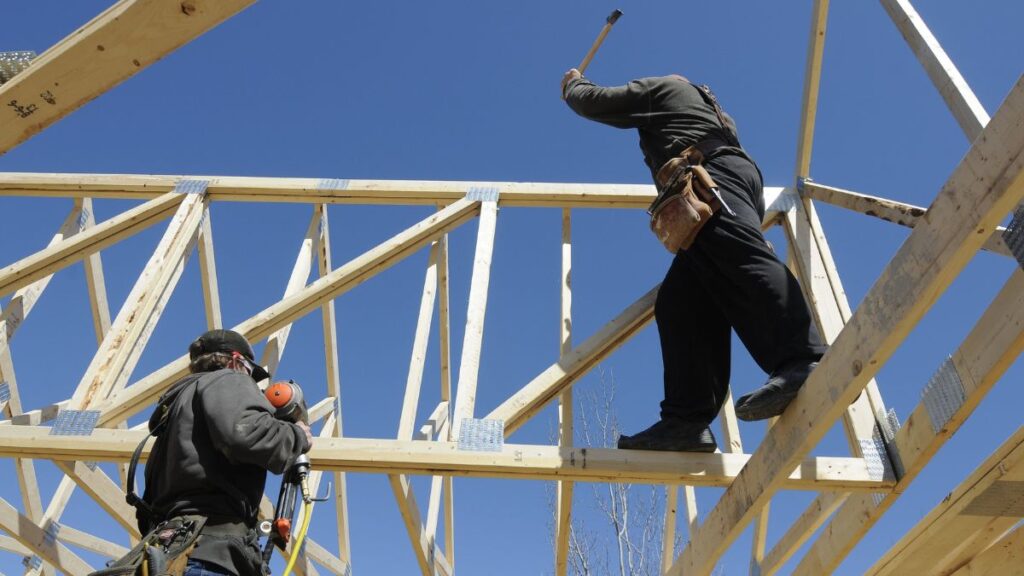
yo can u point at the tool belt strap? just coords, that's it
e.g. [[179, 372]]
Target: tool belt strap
[[685, 201], [163, 551]]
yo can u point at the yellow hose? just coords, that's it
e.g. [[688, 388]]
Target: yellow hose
[[307, 513]]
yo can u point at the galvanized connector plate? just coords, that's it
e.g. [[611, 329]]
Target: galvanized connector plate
[[75, 423], [11, 63], [332, 184], [943, 395], [1014, 235], [482, 194], [482, 435], [191, 186]]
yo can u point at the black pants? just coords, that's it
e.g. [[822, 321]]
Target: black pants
[[728, 279]]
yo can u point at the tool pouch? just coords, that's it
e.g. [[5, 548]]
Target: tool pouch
[[163, 551], [685, 200]]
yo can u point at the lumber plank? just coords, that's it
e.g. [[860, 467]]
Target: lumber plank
[[513, 461], [1005, 557], [985, 186], [955, 91], [330, 331], [94, 279], [906, 215], [531, 398], [208, 274], [812, 81], [31, 536], [113, 46], [472, 342], [564, 490]]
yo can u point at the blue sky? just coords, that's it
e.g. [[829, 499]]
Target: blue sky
[[469, 91]]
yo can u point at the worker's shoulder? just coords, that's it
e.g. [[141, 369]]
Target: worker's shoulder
[[225, 377]]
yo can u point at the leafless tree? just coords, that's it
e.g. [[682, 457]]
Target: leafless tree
[[629, 542]]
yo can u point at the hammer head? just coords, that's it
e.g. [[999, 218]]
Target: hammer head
[[614, 16]]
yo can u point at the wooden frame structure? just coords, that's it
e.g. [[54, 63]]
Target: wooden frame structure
[[853, 491]]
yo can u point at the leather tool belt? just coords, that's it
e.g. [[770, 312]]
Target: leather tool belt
[[163, 551], [687, 198]]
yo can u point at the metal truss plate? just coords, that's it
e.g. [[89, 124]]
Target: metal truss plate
[[943, 395], [190, 186], [51, 532], [1014, 235], [876, 457], [784, 202], [1003, 498], [482, 435], [332, 184], [5, 391], [482, 194], [75, 422], [11, 63], [32, 562]]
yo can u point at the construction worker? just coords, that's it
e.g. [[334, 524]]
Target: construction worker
[[728, 278], [213, 450]]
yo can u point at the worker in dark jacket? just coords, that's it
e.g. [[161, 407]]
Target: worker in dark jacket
[[729, 278], [211, 459]]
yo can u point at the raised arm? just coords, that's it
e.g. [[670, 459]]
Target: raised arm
[[627, 106]]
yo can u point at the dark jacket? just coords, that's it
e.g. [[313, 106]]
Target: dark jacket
[[212, 457], [669, 113]]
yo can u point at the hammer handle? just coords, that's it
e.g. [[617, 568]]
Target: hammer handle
[[593, 49]]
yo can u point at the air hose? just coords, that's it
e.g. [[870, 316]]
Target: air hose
[[307, 513]]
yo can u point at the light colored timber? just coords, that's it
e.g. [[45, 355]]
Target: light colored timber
[[31, 536], [107, 493], [517, 461], [985, 186], [801, 530], [401, 486], [444, 348], [472, 342], [812, 80], [333, 368], [889, 210], [993, 493], [309, 190], [276, 343], [1005, 557], [564, 491], [113, 46], [94, 278], [208, 273], [959, 97], [996, 340], [668, 532], [340, 280], [71, 250], [530, 399]]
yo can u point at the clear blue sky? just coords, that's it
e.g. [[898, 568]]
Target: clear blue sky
[[469, 91]]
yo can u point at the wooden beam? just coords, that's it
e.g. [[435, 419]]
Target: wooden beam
[[1005, 557], [801, 530], [563, 497], [444, 340], [94, 278], [274, 350], [994, 492], [889, 210], [208, 273], [530, 399], [104, 491], [330, 331], [982, 190], [668, 532], [25, 531], [311, 190], [71, 250], [122, 40], [517, 461], [812, 80], [962, 102], [407, 420], [472, 342], [985, 354]]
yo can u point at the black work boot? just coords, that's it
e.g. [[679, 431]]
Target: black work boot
[[672, 435], [772, 398]]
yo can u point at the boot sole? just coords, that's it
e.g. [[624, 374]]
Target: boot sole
[[769, 407]]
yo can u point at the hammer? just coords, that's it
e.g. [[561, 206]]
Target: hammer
[[612, 18]]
